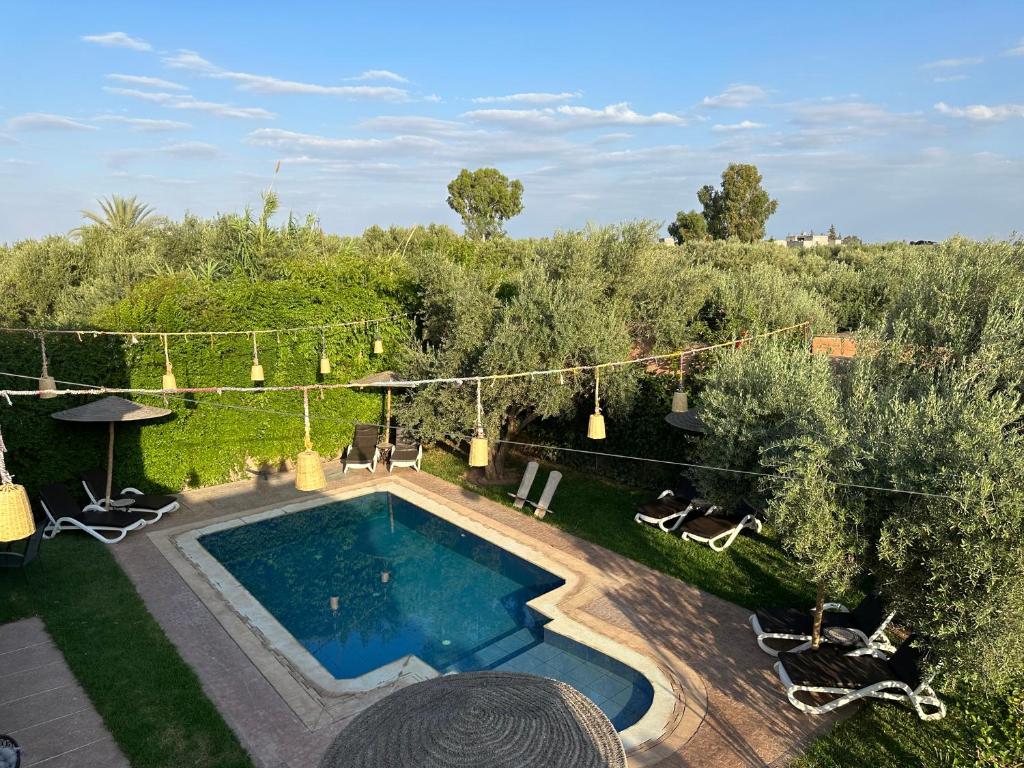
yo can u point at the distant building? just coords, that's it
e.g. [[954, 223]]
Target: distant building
[[808, 240], [667, 240]]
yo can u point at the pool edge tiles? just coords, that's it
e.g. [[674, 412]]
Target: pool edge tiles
[[309, 672]]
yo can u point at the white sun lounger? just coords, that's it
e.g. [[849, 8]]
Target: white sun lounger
[[543, 506], [62, 514], [525, 485]]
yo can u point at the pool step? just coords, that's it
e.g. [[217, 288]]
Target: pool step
[[496, 652]]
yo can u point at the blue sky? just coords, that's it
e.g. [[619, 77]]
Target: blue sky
[[892, 121]]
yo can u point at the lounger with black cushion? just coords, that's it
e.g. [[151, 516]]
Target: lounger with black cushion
[[673, 506], [863, 627], [719, 529], [63, 514], [363, 452], [151, 506], [11, 558], [406, 453], [841, 678]]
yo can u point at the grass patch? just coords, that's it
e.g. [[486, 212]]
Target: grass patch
[[755, 572], [148, 696]]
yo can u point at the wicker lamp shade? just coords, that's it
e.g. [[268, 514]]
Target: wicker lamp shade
[[595, 427], [309, 472], [680, 403], [169, 382], [378, 345], [46, 382], [256, 374], [16, 520], [479, 450], [325, 365]]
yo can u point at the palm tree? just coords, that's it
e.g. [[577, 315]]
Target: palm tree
[[119, 214]]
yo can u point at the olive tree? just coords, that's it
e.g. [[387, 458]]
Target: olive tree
[[485, 199]]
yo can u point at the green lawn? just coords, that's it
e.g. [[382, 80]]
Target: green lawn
[[753, 572], [147, 695]]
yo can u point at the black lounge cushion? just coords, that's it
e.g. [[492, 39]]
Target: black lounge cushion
[[405, 452], [360, 454], [96, 479], [870, 614], [796, 621], [708, 526], [829, 667], [61, 504]]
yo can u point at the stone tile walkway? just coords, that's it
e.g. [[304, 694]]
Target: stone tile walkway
[[747, 721], [44, 708]]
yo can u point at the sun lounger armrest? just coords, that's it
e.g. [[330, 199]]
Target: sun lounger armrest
[[839, 607], [131, 490], [667, 492]]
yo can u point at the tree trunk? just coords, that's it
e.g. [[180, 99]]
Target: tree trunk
[[819, 614]]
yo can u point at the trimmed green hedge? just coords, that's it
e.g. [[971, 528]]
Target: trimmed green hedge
[[207, 442]]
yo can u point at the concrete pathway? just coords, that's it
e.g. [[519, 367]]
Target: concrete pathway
[[44, 708]]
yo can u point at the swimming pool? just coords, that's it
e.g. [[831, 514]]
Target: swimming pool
[[365, 582]]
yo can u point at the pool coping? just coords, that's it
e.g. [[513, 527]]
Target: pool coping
[[679, 702]]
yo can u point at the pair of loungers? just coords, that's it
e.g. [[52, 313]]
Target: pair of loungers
[[521, 497], [364, 452], [682, 510], [129, 510], [855, 661]]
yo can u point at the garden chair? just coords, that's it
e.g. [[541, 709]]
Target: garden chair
[[406, 453], [672, 506], [363, 450], [543, 505], [525, 485], [864, 626], [719, 529], [151, 507], [107, 525], [11, 559], [848, 678]]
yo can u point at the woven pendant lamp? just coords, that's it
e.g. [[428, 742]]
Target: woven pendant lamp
[[16, 519], [595, 426], [378, 344], [46, 381], [479, 450], [169, 382], [680, 403], [256, 374], [325, 362], [309, 472]]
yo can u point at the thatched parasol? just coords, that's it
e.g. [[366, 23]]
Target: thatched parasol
[[386, 380], [688, 421], [111, 410], [479, 719]]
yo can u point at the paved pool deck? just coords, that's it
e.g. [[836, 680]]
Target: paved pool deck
[[43, 707], [730, 709]]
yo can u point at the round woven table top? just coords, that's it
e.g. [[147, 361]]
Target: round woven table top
[[479, 720]]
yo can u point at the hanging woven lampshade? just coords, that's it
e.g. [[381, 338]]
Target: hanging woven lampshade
[[256, 373], [309, 472], [325, 362], [595, 426], [169, 382], [16, 519], [680, 402], [46, 381], [479, 450], [378, 344]]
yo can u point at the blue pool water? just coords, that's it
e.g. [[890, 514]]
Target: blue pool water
[[365, 581]]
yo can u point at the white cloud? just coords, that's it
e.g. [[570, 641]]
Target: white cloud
[[528, 98], [148, 82], [865, 115], [44, 121], [193, 62], [1017, 50], [8, 139], [118, 40], [178, 101], [736, 95], [981, 113], [967, 61], [413, 124], [144, 124], [950, 78], [380, 74], [567, 118], [307, 142], [185, 150], [745, 125]]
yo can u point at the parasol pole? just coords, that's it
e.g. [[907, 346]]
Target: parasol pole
[[387, 433], [110, 465]]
